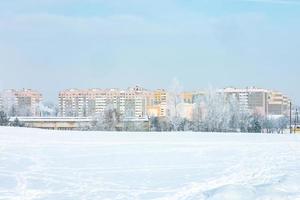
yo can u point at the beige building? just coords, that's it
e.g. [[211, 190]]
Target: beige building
[[278, 104], [23, 102]]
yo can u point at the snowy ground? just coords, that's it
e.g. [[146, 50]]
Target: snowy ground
[[43, 165]]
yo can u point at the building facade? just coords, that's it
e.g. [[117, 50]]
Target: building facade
[[91, 102], [157, 103], [23, 102], [278, 104], [260, 101]]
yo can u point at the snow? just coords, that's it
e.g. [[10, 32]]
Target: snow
[[63, 165]]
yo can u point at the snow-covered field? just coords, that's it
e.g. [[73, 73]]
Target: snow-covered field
[[39, 164]]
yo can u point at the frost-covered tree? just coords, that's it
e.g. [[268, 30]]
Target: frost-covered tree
[[199, 110], [275, 125], [217, 116], [47, 109], [256, 123], [155, 124], [9, 103], [4, 119], [244, 122], [98, 122], [173, 105], [268, 125], [109, 120], [282, 123], [220, 112], [16, 123], [234, 113]]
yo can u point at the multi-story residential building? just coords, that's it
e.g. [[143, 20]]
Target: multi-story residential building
[[130, 103], [278, 104], [250, 99], [79, 103], [261, 101], [157, 103], [23, 102]]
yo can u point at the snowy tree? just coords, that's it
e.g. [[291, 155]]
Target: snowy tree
[[155, 124], [268, 125], [235, 114], [16, 123], [219, 112], [47, 109], [173, 102], [282, 123], [4, 119], [98, 122], [199, 110], [256, 123], [244, 122], [109, 120], [217, 116], [275, 124], [9, 103]]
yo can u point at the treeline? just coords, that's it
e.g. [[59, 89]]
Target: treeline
[[249, 124], [215, 120]]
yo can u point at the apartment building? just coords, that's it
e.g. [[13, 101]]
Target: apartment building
[[250, 99], [23, 102], [130, 103], [261, 101], [78, 103], [278, 103], [157, 103]]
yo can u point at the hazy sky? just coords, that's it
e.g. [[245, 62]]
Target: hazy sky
[[50, 45]]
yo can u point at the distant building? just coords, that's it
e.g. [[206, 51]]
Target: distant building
[[278, 104], [137, 102], [23, 102], [157, 103], [91, 102], [260, 101]]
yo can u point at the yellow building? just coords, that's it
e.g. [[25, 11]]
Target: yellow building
[[157, 103], [187, 97]]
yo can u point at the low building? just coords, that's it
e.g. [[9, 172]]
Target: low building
[[79, 123]]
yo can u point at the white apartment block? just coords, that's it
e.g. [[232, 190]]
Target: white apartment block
[[131, 103]]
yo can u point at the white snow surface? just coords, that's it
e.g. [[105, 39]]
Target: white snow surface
[[64, 165]]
